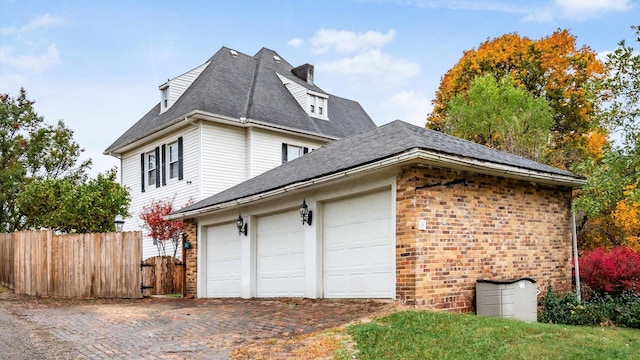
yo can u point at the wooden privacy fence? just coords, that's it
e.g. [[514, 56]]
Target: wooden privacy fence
[[6, 260], [100, 265], [162, 275]]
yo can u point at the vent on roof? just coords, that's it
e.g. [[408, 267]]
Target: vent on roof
[[233, 53], [276, 58]]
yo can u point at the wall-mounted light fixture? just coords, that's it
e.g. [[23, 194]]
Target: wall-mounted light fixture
[[119, 223], [185, 241], [305, 213], [242, 227]]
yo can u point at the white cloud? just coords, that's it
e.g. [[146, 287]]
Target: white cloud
[[30, 63], [348, 41], [602, 55], [474, 5], [380, 66], [533, 11], [411, 106], [582, 9], [40, 22], [295, 42], [539, 16]]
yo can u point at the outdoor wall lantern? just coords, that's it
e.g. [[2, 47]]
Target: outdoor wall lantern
[[305, 213], [242, 227], [119, 223], [185, 241]]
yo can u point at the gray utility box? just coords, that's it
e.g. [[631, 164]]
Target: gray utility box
[[515, 299]]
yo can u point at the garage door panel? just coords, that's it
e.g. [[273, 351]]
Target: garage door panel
[[360, 285], [280, 255], [358, 259], [223, 261]]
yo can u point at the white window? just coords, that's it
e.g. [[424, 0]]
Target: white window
[[290, 152], [151, 169], [173, 161], [165, 97], [293, 152], [318, 105]]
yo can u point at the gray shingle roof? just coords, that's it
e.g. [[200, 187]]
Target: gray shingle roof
[[247, 86], [368, 147]]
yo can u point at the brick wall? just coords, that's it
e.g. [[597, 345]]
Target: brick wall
[[486, 228], [190, 257]]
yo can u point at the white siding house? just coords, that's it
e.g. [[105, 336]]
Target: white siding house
[[230, 119]]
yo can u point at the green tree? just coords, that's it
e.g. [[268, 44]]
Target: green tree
[[501, 115], [68, 206], [610, 200], [42, 182]]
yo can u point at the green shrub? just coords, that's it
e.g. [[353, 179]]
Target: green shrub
[[626, 311], [599, 309]]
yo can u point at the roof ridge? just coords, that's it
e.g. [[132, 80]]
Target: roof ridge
[[415, 139], [254, 81]]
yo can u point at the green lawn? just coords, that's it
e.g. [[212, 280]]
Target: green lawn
[[435, 335]]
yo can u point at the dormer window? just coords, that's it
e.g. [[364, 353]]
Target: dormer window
[[313, 103], [164, 98], [317, 105]]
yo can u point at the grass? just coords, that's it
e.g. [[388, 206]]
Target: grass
[[435, 335]]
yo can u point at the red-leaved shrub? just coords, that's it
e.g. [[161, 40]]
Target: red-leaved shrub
[[611, 270], [161, 230]]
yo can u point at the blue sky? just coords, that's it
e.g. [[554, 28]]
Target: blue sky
[[98, 64]]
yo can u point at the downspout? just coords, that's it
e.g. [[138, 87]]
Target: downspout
[[120, 170], [575, 254]]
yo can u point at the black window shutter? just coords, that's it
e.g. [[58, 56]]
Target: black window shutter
[[142, 171], [180, 166], [284, 153], [305, 150], [164, 165], [157, 166]]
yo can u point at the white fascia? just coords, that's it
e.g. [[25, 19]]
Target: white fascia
[[221, 119], [244, 122]]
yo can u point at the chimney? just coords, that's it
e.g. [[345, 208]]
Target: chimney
[[304, 72]]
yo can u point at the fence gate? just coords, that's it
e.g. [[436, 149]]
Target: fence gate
[[162, 275]]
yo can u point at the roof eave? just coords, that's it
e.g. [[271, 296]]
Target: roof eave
[[159, 132], [199, 114], [409, 156]]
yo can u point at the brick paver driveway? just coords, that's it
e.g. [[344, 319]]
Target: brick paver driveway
[[178, 328]]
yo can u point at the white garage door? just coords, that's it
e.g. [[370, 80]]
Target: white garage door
[[280, 255], [359, 254], [223, 261]]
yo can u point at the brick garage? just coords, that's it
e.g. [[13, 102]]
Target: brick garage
[[478, 227], [488, 215]]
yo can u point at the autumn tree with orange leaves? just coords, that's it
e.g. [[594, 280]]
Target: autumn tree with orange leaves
[[552, 68]]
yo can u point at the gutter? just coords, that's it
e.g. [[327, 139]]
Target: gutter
[[408, 156], [244, 122], [221, 119], [150, 137]]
